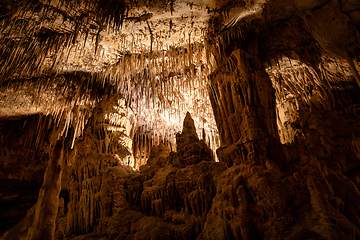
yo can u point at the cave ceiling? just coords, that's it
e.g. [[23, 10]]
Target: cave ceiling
[[58, 55]]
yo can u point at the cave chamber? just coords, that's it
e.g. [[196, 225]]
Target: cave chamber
[[179, 119]]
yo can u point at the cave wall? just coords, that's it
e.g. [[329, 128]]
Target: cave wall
[[313, 92], [105, 143], [276, 191], [167, 199]]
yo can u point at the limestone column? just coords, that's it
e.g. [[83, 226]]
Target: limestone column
[[47, 205], [243, 101]]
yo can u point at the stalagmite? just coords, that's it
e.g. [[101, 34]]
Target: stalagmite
[[47, 205]]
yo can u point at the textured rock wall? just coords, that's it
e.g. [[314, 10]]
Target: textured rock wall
[[274, 191], [172, 195], [244, 105], [104, 144], [186, 195], [95, 191], [100, 158], [168, 199]]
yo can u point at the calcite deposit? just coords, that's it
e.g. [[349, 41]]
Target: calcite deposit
[[179, 119]]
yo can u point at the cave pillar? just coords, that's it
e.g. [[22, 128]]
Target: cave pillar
[[47, 205], [243, 101]]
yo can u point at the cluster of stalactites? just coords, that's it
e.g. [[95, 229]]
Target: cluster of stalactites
[[159, 83], [163, 81], [161, 95], [53, 37], [116, 123], [300, 88], [62, 97], [146, 137], [143, 141], [314, 85]]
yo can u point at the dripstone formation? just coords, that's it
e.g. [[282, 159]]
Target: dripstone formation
[[179, 119]]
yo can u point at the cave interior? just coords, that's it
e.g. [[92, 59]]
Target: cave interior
[[179, 119]]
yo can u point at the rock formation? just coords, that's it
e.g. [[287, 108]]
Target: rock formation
[[179, 119], [47, 206]]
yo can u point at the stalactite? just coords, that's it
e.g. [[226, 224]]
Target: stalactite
[[154, 78]]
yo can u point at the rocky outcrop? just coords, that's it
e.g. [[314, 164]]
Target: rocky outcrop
[[189, 148], [101, 154], [171, 196], [244, 106], [275, 191], [100, 160], [168, 199], [174, 197], [250, 200]]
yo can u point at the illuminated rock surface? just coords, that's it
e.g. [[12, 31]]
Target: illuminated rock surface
[[179, 119]]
